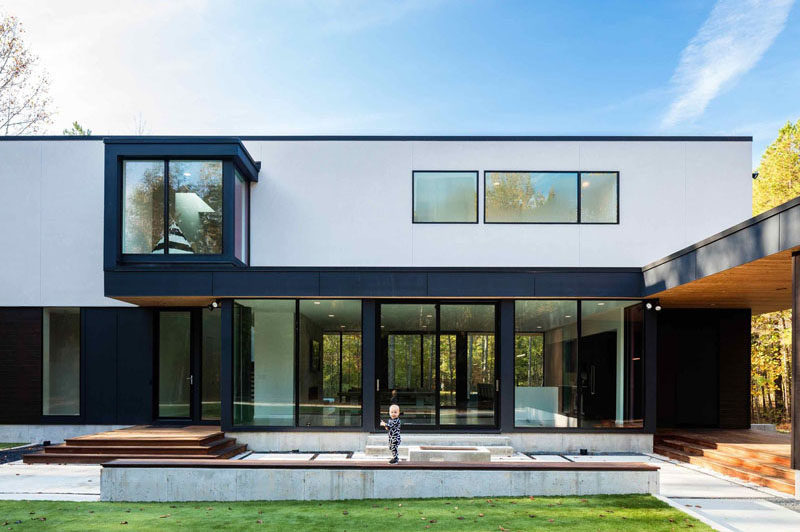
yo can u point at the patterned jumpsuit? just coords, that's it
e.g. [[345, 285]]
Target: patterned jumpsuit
[[393, 426]]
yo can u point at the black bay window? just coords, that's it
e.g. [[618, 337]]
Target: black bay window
[[177, 202]]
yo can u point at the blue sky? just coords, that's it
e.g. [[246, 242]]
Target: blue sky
[[678, 67]]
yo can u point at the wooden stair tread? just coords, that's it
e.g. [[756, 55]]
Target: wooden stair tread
[[774, 482], [142, 442]]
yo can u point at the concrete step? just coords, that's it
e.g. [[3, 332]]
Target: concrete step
[[383, 450], [487, 440]]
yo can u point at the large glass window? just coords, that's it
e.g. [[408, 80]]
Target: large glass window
[[545, 363], [599, 197], [61, 362], [263, 362], [143, 207], [195, 207], [531, 197], [193, 211], [611, 364], [329, 349], [466, 365], [240, 218], [445, 197], [407, 366]]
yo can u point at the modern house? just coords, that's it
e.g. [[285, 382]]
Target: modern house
[[564, 291]]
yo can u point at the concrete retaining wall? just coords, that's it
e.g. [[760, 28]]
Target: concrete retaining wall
[[54, 433], [529, 442], [219, 484]]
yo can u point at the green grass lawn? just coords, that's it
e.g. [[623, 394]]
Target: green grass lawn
[[618, 513], [4, 445]]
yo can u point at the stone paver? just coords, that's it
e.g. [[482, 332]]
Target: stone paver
[[330, 456]]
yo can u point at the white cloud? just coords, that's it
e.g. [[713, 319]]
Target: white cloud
[[731, 41]]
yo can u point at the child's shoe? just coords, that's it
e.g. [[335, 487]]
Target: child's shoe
[[394, 460]]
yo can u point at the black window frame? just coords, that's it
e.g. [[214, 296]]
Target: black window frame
[[477, 194], [230, 151], [579, 192]]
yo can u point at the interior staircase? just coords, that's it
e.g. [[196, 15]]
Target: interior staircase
[[761, 464], [141, 442]]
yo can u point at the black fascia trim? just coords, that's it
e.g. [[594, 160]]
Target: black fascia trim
[[190, 147], [477, 194], [434, 138], [725, 233]]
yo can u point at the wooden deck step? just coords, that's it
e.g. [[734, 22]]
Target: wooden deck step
[[715, 464], [71, 458], [142, 442], [126, 448], [757, 451]]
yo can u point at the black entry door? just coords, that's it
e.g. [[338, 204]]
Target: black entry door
[[188, 366]]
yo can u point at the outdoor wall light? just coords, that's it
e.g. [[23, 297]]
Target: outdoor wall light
[[213, 305], [658, 307]]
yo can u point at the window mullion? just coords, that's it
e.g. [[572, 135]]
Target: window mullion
[[166, 206]]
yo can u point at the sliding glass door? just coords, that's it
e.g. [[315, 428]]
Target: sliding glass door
[[437, 362]]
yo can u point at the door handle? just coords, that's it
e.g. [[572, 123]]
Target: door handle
[[497, 385], [190, 378], [377, 385]]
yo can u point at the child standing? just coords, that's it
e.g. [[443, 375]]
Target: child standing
[[393, 426]]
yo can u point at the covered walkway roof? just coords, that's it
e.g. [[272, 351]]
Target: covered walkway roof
[[748, 265]]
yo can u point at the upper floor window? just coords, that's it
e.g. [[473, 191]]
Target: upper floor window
[[177, 200], [551, 197], [445, 197], [190, 213]]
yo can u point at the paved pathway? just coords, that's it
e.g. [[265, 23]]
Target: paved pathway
[[49, 482]]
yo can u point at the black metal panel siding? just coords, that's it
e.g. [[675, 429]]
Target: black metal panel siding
[[588, 284], [134, 366], [734, 369], [790, 228], [671, 274], [743, 246], [257, 283], [100, 365], [480, 284], [378, 284], [366, 283], [20, 365]]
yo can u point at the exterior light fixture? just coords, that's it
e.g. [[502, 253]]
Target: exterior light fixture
[[600, 304], [316, 302], [213, 305], [658, 307], [649, 306]]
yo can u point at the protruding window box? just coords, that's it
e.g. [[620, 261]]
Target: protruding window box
[[173, 201]]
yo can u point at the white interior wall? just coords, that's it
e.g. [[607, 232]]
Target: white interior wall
[[273, 354]]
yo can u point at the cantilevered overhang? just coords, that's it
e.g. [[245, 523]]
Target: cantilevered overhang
[[748, 265]]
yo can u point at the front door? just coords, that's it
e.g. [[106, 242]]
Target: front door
[[437, 362], [188, 366]]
